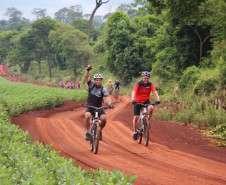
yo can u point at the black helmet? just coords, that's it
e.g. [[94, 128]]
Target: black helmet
[[146, 73]]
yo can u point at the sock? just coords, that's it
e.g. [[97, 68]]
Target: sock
[[87, 130]]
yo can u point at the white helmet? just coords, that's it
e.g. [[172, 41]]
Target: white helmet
[[109, 80], [98, 76]]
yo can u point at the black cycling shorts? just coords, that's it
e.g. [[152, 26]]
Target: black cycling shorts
[[137, 108], [92, 111]]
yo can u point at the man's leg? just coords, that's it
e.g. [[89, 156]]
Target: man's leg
[[135, 120], [150, 110], [87, 125], [103, 120]]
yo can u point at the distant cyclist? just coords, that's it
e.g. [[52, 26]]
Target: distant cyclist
[[110, 86], [62, 84], [117, 86], [141, 94], [95, 98]]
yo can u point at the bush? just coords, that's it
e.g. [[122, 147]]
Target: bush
[[189, 77], [205, 87]]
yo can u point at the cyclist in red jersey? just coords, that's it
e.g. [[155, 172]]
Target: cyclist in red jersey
[[141, 93]]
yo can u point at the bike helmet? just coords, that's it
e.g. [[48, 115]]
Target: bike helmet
[[146, 73], [98, 76], [109, 80]]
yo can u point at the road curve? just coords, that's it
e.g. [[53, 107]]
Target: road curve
[[175, 155]]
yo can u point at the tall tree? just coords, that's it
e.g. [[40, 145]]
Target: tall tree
[[67, 15], [196, 14], [42, 28], [14, 14], [39, 13], [72, 45], [98, 4]]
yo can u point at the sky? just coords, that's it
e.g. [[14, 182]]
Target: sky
[[52, 6]]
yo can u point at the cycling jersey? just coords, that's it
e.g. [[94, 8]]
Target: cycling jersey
[[110, 84], [117, 84], [143, 91], [96, 94]]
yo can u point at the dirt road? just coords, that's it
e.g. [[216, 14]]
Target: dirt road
[[176, 154]]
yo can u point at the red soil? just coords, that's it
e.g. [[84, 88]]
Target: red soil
[[176, 154]]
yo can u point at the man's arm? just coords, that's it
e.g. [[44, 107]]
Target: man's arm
[[156, 95], [87, 73], [133, 95], [108, 100]]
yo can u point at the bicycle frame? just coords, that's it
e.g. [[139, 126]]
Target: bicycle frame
[[95, 128], [143, 129]]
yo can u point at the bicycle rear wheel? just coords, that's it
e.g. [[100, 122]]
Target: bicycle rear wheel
[[96, 137], [146, 130]]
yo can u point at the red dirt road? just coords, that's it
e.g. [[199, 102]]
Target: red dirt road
[[176, 154]]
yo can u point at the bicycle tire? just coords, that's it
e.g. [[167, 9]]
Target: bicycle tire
[[146, 131], [139, 134], [96, 138]]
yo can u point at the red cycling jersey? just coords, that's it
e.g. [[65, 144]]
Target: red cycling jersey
[[143, 91]]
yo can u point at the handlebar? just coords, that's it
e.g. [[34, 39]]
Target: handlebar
[[145, 105], [96, 108]]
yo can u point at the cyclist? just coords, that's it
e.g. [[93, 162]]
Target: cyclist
[[117, 85], [110, 86], [78, 85], [62, 84], [141, 93], [95, 98]]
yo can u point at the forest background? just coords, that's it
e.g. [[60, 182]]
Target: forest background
[[182, 44]]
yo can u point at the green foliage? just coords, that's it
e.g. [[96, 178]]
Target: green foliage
[[19, 98], [205, 87], [218, 132], [189, 78], [82, 25], [5, 44]]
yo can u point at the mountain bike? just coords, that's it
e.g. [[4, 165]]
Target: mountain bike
[[143, 124], [110, 89], [95, 128]]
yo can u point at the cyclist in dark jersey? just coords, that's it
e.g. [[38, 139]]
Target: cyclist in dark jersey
[[117, 85], [141, 93], [95, 98]]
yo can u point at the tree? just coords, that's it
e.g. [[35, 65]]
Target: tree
[[98, 4], [123, 57], [39, 13], [72, 45], [5, 44], [42, 28], [14, 14], [82, 25], [67, 15], [128, 9], [197, 14]]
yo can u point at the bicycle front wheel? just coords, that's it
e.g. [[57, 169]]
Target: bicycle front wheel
[[146, 131], [139, 133], [96, 137]]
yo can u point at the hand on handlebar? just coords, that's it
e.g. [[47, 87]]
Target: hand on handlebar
[[111, 106], [157, 102], [134, 102]]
